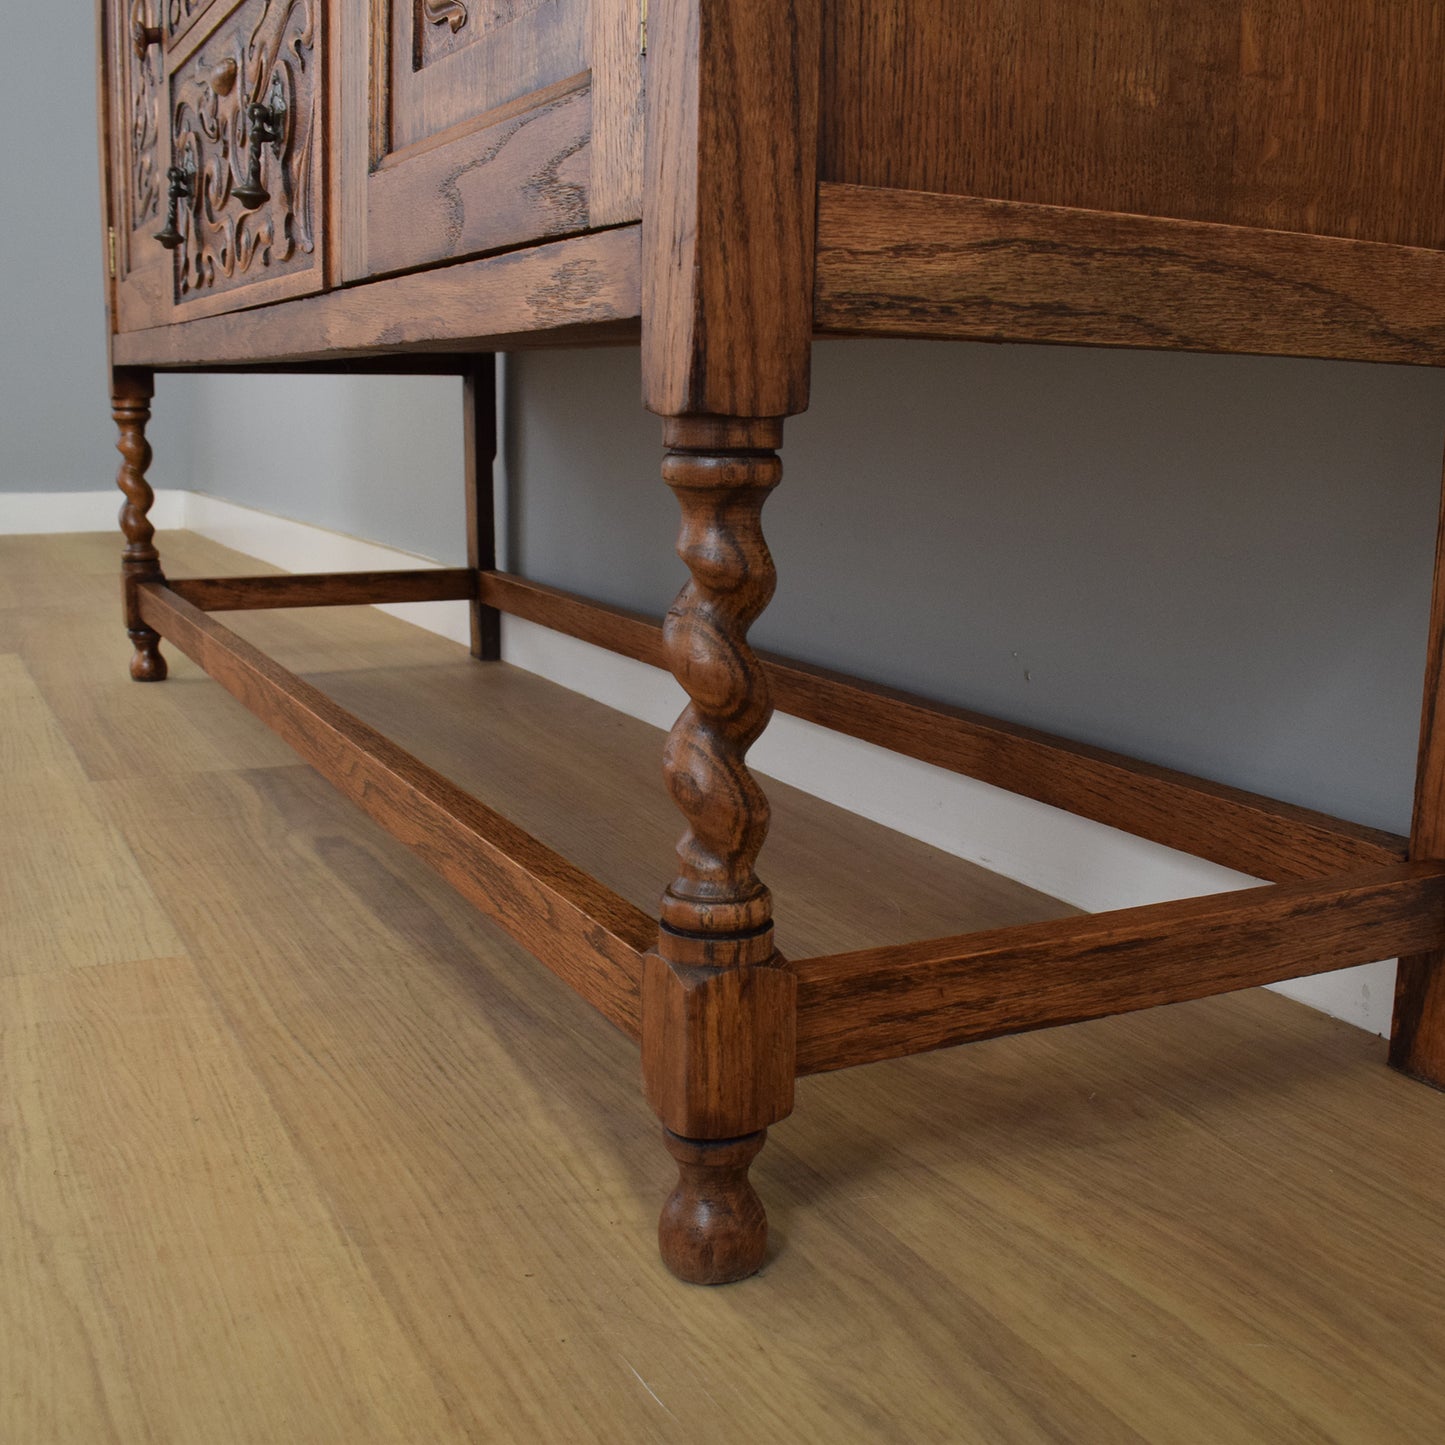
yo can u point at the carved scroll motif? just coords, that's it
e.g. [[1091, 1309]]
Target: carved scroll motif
[[445, 12], [145, 113], [440, 27], [266, 54]]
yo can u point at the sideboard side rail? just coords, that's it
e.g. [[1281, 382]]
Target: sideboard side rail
[[586, 934], [881, 1003], [326, 589], [913, 263], [1246, 831]]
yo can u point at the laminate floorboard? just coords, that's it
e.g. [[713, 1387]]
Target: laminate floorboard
[[296, 1147]]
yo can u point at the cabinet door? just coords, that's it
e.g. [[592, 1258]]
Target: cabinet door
[[244, 101], [136, 159], [234, 98], [475, 125]]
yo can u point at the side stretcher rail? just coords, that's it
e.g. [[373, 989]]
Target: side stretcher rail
[[591, 938], [1254, 834], [879, 1003], [876, 1003]]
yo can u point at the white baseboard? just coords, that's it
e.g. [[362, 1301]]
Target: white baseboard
[[22, 512], [1087, 864]]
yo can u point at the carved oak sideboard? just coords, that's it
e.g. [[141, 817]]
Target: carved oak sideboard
[[418, 184]]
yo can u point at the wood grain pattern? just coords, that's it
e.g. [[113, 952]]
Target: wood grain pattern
[[325, 589], [164, 1240], [507, 51], [108, 140], [568, 291], [877, 1004], [615, 50], [525, 177], [1246, 831], [901, 263], [458, 142], [728, 225], [69, 887], [580, 930], [1318, 118], [350, 149]]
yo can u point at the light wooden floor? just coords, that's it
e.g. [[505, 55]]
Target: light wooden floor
[[296, 1149]]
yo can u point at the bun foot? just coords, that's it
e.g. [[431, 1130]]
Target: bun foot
[[146, 662], [713, 1228]]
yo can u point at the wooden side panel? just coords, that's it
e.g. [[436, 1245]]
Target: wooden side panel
[[728, 229], [1321, 118], [906, 263]]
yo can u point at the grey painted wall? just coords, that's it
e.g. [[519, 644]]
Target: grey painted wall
[[55, 427], [1222, 564], [57, 431], [373, 456]]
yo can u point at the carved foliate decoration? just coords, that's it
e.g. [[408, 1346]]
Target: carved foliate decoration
[[441, 26], [451, 13], [252, 87], [145, 117]]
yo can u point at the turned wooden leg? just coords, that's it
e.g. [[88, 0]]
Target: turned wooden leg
[[131, 393], [479, 409], [1417, 1037], [718, 1008]]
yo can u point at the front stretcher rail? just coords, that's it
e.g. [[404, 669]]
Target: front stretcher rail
[[852, 1008]]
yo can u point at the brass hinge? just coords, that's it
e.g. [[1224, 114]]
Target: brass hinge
[[642, 29], [110, 236]]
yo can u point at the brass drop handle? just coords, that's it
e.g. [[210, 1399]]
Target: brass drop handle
[[180, 190], [267, 123]]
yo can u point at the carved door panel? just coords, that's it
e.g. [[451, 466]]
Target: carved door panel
[[244, 104], [217, 165], [485, 124]]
